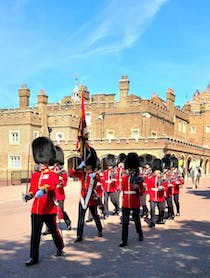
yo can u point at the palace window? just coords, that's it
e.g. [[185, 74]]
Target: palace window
[[14, 137], [88, 118], [184, 127], [135, 134], [14, 162], [207, 129], [153, 134], [110, 134], [193, 129]]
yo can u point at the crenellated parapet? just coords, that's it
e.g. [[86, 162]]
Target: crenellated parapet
[[16, 116]]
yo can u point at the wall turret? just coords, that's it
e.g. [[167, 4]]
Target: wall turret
[[42, 100], [124, 89], [24, 95]]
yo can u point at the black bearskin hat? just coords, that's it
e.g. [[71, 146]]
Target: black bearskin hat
[[91, 158], [59, 155], [121, 158], [132, 161], [166, 162], [148, 159], [156, 165], [174, 161], [110, 160], [141, 161], [43, 151]]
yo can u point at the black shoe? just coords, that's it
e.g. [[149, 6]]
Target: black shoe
[[141, 237], [100, 234], [152, 224], [160, 222], [47, 232], [89, 220], [122, 244], [31, 261], [59, 253], [78, 239]]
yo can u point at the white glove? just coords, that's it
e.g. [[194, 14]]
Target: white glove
[[39, 193], [82, 164], [92, 175]]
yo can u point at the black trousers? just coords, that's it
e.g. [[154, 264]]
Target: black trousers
[[81, 219], [170, 206], [113, 196], [36, 228], [65, 215], [161, 208], [125, 222], [176, 201]]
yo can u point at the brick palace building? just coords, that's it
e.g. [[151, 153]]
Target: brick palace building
[[146, 126]]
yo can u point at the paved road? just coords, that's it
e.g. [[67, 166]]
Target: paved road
[[180, 248]]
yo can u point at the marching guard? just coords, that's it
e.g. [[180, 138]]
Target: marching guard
[[131, 185], [42, 189], [88, 196], [110, 185], [156, 193]]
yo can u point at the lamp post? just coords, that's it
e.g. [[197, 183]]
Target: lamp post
[[49, 131]]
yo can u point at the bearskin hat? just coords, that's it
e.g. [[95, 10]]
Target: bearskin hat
[[91, 158], [121, 158], [166, 162], [59, 155], [148, 160], [132, 161], [110, 160], [43, 151], [141, 161], [174, 161], [156, 164]]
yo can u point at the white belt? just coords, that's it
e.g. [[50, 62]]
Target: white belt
[[129, 192]]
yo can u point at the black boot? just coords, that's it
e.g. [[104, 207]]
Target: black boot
[[123, 244], [31, 261]]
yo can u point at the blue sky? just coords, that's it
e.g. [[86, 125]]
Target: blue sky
[[157, 43]]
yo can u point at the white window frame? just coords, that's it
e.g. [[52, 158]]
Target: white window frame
[[193, 129], [207, 128], [110, 132], [14, 162], [133, 135], [14, 137], [88, 118]]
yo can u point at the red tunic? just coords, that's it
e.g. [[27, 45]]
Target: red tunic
[[130, 195], [59, 192], [85, 183], [110, 181], [120, 171], [156, 192], [177, 181], [44, 204]]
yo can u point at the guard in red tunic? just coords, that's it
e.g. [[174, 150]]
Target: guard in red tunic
[[177, 182], [156, 193], [131, 184], [110, 185], [120, 171], [88, 196], [42, 189], [166, 162]]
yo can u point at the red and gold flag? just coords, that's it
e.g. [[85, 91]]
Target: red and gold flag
[[82, 137]]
